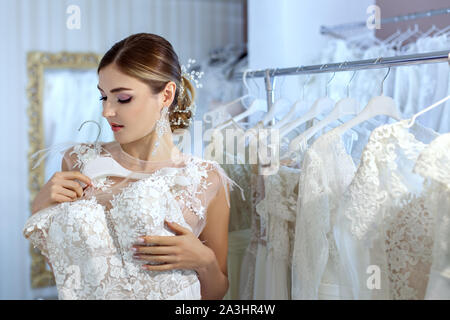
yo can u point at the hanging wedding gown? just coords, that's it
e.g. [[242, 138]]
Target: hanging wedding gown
[[384, 227], [277, 209], [326, 171], [88, 241], [434, 165]]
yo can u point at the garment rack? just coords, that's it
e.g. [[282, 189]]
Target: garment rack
[[355, 25], [382, 62]]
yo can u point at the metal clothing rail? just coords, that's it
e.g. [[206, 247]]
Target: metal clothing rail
[[411, 16], [382, 62]]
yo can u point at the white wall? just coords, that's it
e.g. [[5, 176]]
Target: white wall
[[192, 26], [286, 33]]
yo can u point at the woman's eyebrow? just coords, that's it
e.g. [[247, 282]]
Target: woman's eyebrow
[[115, 89]]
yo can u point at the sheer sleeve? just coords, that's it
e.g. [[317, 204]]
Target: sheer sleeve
[[211, 178]]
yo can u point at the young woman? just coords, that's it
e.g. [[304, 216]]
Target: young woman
[[162, 237]]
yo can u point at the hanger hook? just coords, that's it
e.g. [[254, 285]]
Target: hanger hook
[[382, 82], [244, 79], [304, 84], [296, 71], [256, 84], [328, 83], [99, 128], [273, 73], [348, 84]]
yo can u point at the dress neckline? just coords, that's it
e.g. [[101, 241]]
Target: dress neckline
[[128, 162]]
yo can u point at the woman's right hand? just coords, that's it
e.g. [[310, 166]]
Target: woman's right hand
[[62, 187]]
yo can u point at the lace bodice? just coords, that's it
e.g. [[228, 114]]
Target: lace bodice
[[384, 221], [88, 241]]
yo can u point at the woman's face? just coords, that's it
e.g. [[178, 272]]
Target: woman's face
[[129, 102]]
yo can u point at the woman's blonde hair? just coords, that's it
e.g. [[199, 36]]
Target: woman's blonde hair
[[151, 59]]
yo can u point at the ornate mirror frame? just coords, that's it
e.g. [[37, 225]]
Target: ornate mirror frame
[[37, 62]]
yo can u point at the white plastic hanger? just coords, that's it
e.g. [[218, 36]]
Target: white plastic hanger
[[224, 107], [398, 43], [434, 105], [428, 32], [276, 108], [380, 105], [442, 31], [100, 167], [386, 41], [322, 105], [298, 107], [413, 119], [345, 106], [255, 106]]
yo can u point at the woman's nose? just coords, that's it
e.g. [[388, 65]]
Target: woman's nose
[[108, 111]]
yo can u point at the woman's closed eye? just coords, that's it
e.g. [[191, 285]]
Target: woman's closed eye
[[119, 100]]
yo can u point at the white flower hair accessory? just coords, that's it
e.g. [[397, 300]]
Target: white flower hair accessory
[[192, 76]]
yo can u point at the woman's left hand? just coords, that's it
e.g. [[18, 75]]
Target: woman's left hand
[[182, 251]]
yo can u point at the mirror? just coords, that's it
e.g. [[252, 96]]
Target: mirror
[[62, 94]]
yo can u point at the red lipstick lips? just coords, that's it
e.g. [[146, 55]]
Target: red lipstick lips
[[116, 127]]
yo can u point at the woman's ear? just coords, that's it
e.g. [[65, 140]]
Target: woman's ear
[[169, 93]]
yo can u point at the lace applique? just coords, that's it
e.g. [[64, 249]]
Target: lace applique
[[367, 193], [87, 152], [84, 154], [409, 244]]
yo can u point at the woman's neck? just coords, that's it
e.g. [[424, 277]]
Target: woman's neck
[[143, 148]]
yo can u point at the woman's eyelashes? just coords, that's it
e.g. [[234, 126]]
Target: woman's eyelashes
[[119, 100]]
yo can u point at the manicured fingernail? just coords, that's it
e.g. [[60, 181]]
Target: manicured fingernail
[[133, 249], [140, 240]]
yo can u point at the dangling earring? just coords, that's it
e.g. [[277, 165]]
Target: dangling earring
[[162, 127]]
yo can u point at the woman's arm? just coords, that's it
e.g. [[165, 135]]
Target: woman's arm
[[214, 276]]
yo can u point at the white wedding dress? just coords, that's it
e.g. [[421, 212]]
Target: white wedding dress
[[434, 165], [384, 229], [327, 169], [277, 210], [88, 241]]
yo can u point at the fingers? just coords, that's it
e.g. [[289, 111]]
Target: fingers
[[157, 250], [158, 240], [72, 185], [176, 227], [161, 267], [62, 198], [82, 177], [57, 190], [65, 180], [73, 175], [158, 258]]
